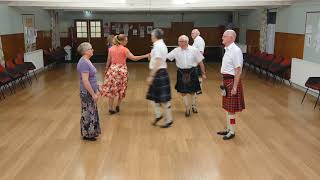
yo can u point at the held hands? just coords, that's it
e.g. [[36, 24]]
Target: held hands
[[96, 97]]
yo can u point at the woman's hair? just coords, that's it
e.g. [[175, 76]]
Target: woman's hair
[[158, 33], [110, 39], [83, 47], [119, 38]]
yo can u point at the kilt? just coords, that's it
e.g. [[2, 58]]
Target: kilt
[[159, 91], [115, 81], [187, 81], [232, 103]]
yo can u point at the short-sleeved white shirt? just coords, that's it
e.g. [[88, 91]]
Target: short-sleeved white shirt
[[199, 43], [159, 51], [232, 59], [186, 58]]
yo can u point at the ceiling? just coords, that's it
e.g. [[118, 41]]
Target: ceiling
[[149, 5]]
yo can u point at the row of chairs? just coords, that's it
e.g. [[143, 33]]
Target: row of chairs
[[54, 56], [16, 71], [269, 65]]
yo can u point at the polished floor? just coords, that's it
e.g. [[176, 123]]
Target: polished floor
[[277, 137]]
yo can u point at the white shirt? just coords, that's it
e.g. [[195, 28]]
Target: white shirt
[[186, 58], [199, 43], [232, 59], [159, 51]]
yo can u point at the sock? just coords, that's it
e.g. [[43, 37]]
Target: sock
[[186, 102], [167, 112], [194, 100], [232, 123], [200, 80], [157, 111]]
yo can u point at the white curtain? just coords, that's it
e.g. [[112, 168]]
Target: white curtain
[[271, 32], [2, 62], [55, 29], [263, 30]]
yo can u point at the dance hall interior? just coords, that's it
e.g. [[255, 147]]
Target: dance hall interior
[[160, 90]]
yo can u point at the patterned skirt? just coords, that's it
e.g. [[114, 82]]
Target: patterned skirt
[[187, 81], [232, 103], [89, 122], [159, 91], [115, 81]]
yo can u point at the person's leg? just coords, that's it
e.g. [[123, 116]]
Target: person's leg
[[194, 102], [111, 105], [168, 115], [231, 126], [118, 103], [157, 112], [186, 102]]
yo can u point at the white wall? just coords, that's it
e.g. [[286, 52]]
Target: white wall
[[203, 19], [11, 19]]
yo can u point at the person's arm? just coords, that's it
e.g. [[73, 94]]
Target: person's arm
[[87, 85], [203, 70], [171, 55], [236, 80], [108, 61], [238, 60], [136, 58]]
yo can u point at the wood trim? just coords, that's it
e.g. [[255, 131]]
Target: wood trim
[[289, 45], [12, 44], [252, 40]]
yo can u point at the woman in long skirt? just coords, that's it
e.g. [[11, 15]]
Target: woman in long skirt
[[116, 76], [89, 93]]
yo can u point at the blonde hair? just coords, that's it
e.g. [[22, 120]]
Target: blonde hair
[[118, 39]]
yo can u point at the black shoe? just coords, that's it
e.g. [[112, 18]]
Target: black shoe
[[89, 139], [157, 120], [229, 136], [118, 109], [167, 125], [187, 113], [194, 110], [223, 133], [112, 112]]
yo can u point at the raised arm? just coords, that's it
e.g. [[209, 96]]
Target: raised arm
[[136, 58]]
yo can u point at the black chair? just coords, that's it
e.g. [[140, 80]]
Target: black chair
[[313, 83]]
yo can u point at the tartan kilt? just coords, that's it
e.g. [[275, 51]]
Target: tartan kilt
[[159, 91], [233, 103], [192, 86]]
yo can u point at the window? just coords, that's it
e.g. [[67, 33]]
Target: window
[[95, 29], [82, 29]]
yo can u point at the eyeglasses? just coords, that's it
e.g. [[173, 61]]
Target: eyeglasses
[[182, 41]]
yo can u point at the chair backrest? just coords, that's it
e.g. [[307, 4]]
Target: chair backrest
[[10, 64], [269, 57], [2, 69], [277, 60], [286, 62], [19, 59]]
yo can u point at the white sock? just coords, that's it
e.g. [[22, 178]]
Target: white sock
[[157, 111], [186, 102], [194, 100], [200, 80], [167, 112], [231, 123]]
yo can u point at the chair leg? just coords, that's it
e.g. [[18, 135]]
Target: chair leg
[[317, 101], [304, 95], [35, 75]]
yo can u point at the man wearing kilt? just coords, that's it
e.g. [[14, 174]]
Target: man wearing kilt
[[198, 43], [233, 99], [187, 59], [159, 83]]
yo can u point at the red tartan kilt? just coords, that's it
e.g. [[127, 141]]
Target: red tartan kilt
[[233, 103]]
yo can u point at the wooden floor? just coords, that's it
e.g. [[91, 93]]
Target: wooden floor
[[277, 137]]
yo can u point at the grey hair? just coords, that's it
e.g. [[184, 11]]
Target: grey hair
[[184, 38], [196, 31], [83, 47], [158, 33], [232, 33]]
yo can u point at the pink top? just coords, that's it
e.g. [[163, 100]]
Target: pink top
[[118, 54]]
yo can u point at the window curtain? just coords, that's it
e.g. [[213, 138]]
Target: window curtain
[[55, 29]]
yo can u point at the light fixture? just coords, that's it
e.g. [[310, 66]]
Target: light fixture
[[87, 13]]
